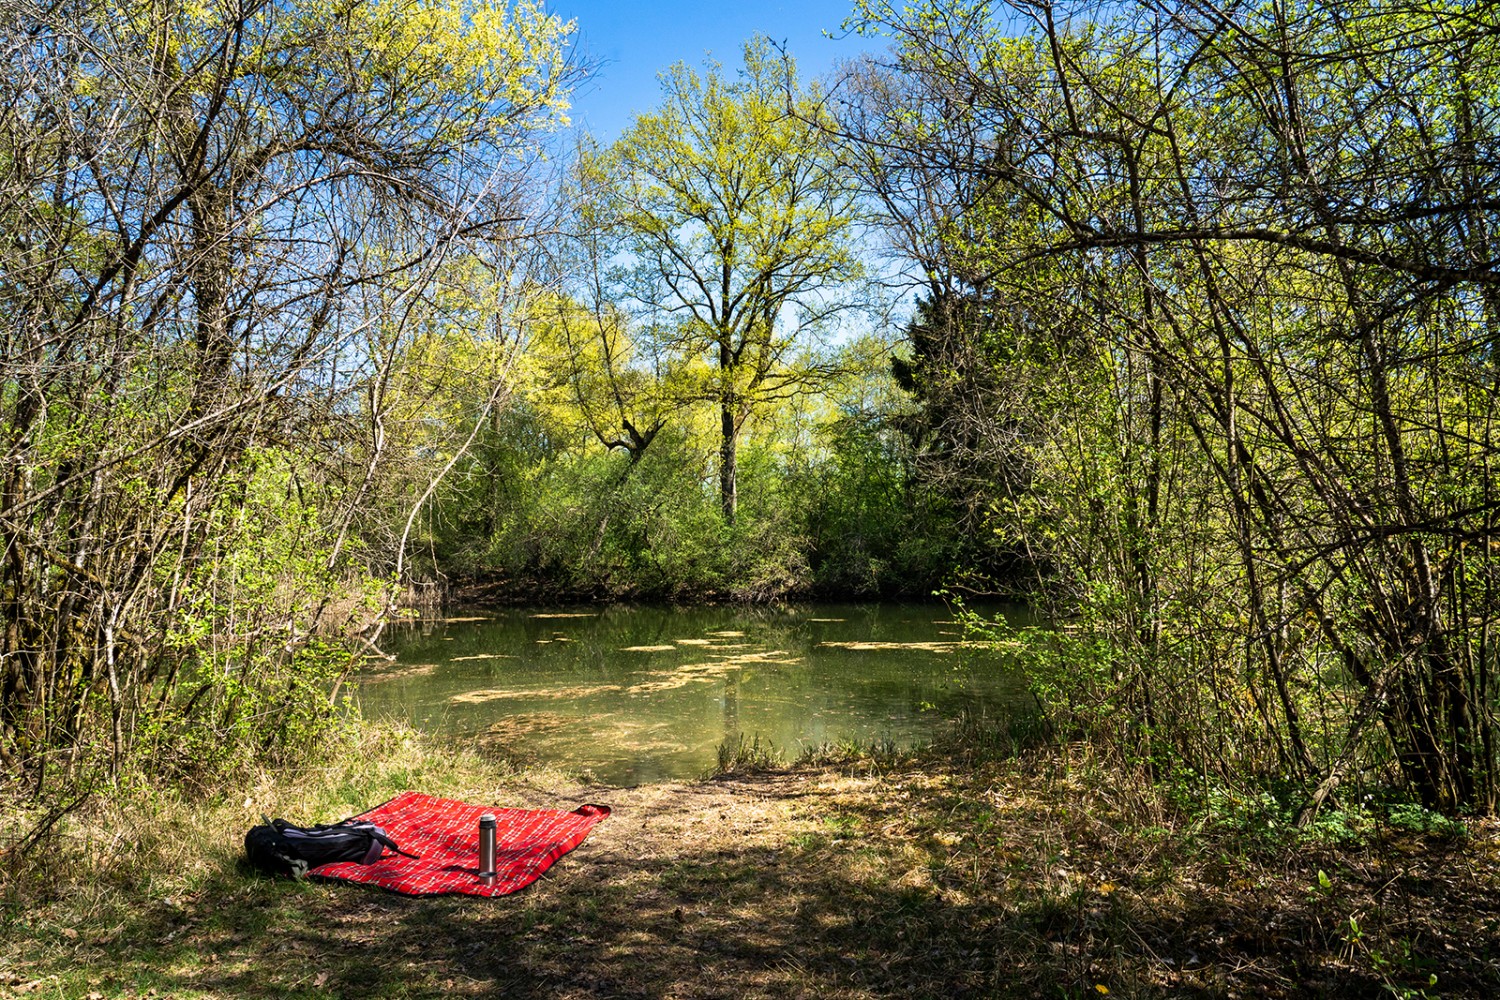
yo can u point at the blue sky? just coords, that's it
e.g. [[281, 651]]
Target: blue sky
[[636, 41]]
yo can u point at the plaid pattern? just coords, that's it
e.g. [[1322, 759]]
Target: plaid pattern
[[445, 835]]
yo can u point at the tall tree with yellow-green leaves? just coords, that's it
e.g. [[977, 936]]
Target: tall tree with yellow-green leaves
[[739, 229]]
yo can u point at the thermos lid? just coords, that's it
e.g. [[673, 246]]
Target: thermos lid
[[488, 819]]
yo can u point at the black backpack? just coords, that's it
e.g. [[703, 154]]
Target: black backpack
[[279, 848]]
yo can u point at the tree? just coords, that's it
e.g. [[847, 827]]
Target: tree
[[201, 204], [1268, 488], [739, 228], [917, 139], [625, 383]]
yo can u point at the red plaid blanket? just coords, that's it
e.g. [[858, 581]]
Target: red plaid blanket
[[445, 835]]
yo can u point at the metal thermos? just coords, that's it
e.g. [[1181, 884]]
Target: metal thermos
[[487, 848]]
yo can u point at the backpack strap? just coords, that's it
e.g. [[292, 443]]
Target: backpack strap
[[379, 840], [384, 838]]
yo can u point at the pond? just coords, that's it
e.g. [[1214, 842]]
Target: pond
[[639, 694]]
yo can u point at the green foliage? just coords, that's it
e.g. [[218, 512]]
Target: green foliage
[[741, 756], [1414, 818], [876, 527], [235, 715], [257, 661], [826, 499], [1216, 374], [590, 521], [737, 227], [246, 239]]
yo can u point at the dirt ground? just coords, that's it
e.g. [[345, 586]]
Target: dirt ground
[[839, 882]]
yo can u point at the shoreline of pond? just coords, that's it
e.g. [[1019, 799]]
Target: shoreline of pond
[[494, 592]]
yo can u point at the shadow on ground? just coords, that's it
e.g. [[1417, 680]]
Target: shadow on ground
[[792, 886]]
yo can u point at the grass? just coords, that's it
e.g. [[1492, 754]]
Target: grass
[[1005, 869], [752, 757]]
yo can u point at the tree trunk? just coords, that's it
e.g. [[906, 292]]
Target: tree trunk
[[728, 473]]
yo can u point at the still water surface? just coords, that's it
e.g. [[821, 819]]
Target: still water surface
[[640, 694]]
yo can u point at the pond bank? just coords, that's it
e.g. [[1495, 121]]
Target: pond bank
[[514, 592], [922, 877]]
